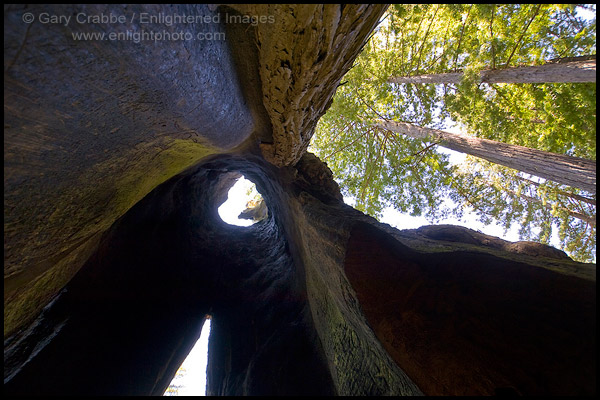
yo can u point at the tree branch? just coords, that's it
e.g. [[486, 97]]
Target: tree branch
[[462, 31], [492, 37], [425, 37], [348, 145], [537, 10]]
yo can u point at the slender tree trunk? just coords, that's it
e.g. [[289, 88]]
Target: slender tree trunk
[[556, 72], [590, 220], [561, 192], [585, 218], [572, 171], [570, 59]]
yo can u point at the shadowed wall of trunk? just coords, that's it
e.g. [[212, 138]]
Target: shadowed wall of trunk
[[117, 156]]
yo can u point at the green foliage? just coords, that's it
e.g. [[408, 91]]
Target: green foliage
[[380, 168], [503, 194], [384, 169], [559, 118], [252, 194], [173, 389]]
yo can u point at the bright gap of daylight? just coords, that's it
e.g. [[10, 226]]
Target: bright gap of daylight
[[190, 378], [237, 199]]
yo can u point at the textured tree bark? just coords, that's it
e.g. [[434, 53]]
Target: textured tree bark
[[301, 63], [572, 171], [571, 72]]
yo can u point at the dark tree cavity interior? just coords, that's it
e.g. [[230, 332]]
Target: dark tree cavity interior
[[117, 156]]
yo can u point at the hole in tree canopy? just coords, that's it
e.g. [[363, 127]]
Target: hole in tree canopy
[[190, 378], [244, 206]]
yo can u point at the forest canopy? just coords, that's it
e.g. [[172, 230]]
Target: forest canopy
[[383, 168]]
